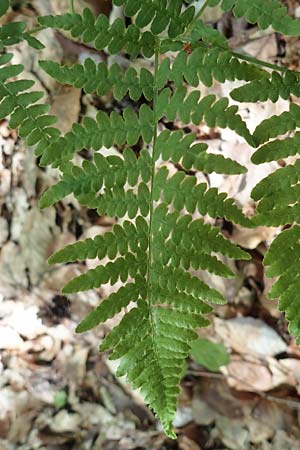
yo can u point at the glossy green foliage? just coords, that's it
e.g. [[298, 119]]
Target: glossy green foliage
[[263, 12], [141, 169]]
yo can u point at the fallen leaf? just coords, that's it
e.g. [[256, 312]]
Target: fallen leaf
[[247, 335]]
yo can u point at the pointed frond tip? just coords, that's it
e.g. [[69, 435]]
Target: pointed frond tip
[[166, 302]]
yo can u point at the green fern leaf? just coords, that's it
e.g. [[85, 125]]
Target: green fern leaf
[[282, 260], [265, 89], [4, 7], [100, 79], [189, 108], [14, 32], [277, 125], [104, 131], [263, 12], [114, 37], [178, 148], [278, 197], [160, 14], [158, 247], [278, 149], [34, 124], [204, 65]]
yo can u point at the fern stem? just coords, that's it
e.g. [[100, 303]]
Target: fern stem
[[241, 56], [150, 253], [155, 97], [201, 11], [258, 62], [72, 7], [36, 29], [197, 16]]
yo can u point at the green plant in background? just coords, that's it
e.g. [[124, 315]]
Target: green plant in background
[[209, 354], [157, 246]]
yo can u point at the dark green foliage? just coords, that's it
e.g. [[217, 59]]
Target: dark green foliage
[[263, 12], [35, 125], [287, 269], [209, 354], [162, 239], [277, 86], [115, 37], [160, 14]]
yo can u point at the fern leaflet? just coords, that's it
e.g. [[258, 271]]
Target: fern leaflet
[[263, 12], [156, 249], [286, 287]]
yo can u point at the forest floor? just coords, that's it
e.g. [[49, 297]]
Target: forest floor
[[56, 391]]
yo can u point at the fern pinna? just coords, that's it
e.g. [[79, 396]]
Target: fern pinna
[[277, 195], [162, 238]]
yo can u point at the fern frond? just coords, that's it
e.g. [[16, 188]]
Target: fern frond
[[115, 37], [278, 149], [34, 124], [204, 32], [282, 260], [154, 337], [112, 173], [183, 192], [263, 12], [98, 78], [14, 32], [159, 245], [205, 65], [105, 131], [277, 125], [189, 108], [169, 300], [202, 65], [131, 236], [179, 148], [161, 14], [269, 89], [278, 196]]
